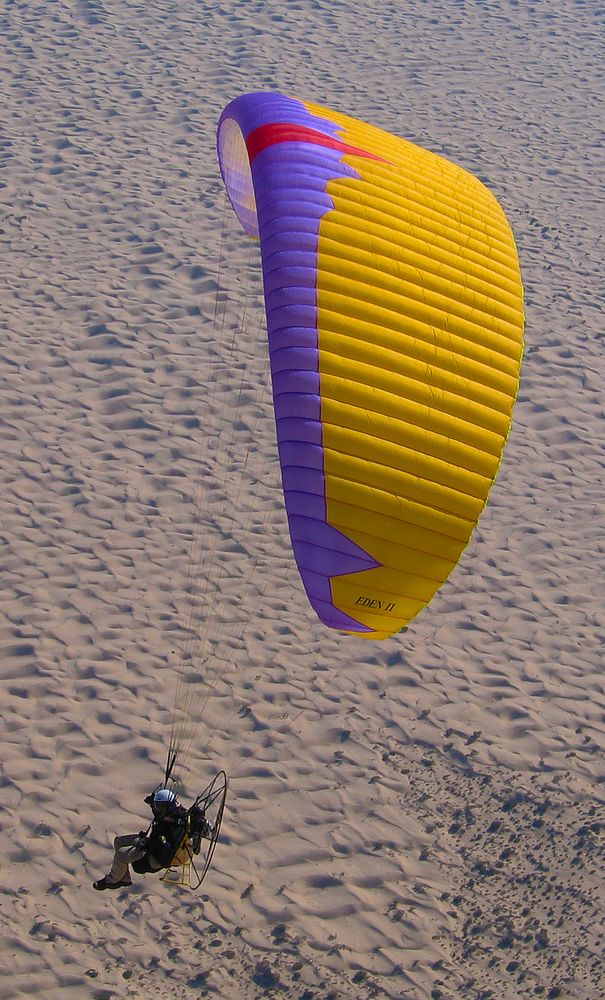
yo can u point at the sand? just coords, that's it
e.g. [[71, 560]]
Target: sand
[[421, 818]]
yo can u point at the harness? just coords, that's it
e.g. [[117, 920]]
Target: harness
[[179, 871]]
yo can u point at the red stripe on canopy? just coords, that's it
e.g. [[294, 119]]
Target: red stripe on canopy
[[268, 135]]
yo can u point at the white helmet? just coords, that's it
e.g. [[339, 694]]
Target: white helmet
[[165, 795]]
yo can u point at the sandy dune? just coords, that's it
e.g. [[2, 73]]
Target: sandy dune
[[421, 818]]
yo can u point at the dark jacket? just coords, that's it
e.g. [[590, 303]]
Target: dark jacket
[[166, 835], [163, 840]]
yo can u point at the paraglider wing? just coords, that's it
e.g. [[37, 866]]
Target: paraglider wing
[[395, 325]]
